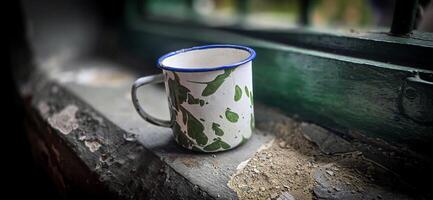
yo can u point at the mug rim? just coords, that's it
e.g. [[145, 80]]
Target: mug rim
[[204, 68]]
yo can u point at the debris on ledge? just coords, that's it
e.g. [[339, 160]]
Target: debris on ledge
[[302, 164]]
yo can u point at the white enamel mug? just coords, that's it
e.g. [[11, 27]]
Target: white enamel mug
[[210, 95]]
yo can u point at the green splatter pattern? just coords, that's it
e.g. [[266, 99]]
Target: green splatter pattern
[[178, 95], [194, 137], [212, 86], [216, 128], [216, 145], [238, 93], [231, 116]]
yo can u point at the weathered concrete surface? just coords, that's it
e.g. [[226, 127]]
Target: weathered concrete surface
[[296, 165], [124, 168], [96, 123], [209, 171]]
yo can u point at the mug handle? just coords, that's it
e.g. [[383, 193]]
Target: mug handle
[[145, 81]]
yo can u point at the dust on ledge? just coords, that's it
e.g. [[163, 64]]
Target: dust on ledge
[[293, 167]]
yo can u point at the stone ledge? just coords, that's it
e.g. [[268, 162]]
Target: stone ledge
[[87, 112]]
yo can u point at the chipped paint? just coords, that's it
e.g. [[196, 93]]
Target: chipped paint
[[93, 145], [65, 120]]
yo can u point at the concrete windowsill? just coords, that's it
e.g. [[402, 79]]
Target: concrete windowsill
[[96, 142]]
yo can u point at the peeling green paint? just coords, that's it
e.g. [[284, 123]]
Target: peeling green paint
[[231, 116], [238, 93], [217, 129]]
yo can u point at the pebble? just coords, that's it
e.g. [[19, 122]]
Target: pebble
[[282, 144], [331, 173]]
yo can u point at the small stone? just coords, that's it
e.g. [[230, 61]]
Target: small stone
[[130, 137], [282, 144], [286, 196], [213, 155], [331, 173], [82, 137], [256, 170], [262, 189]]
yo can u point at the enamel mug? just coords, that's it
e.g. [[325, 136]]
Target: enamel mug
[[210, 95]]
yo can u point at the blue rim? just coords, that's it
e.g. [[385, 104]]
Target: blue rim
[[206, 69]]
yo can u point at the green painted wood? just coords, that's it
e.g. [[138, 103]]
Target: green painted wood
[[412, 51], [339, 92]]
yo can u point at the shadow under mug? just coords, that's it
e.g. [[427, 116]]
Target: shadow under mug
[[210, 93]]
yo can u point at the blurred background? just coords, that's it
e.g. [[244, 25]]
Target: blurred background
[[37, 30], [280, 14]]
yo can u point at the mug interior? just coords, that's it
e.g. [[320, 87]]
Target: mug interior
[[206, 58]]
